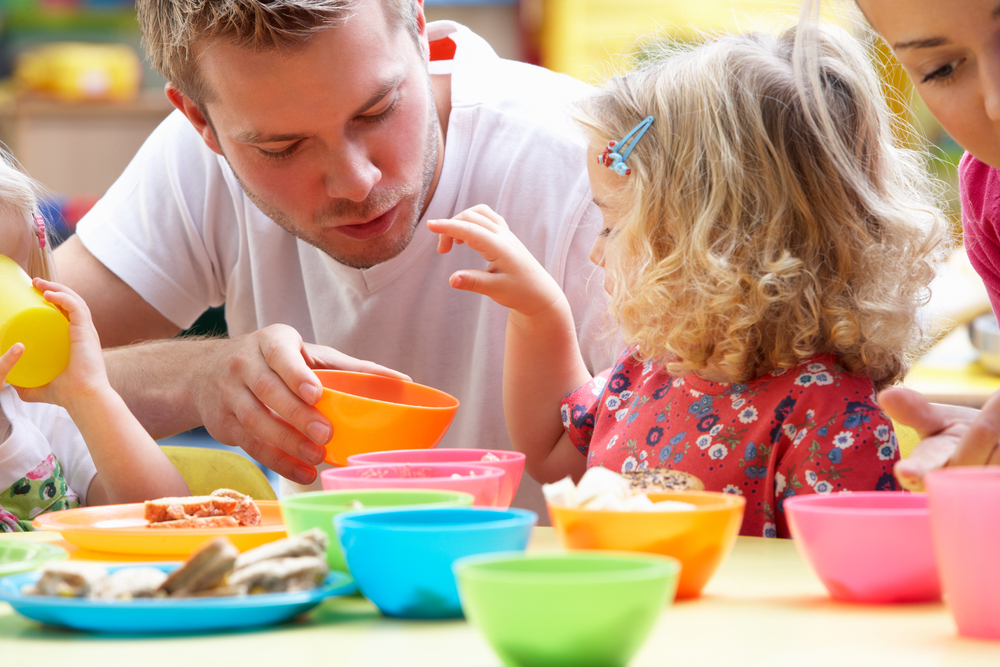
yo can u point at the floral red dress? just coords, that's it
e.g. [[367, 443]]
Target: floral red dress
[[815, 428]]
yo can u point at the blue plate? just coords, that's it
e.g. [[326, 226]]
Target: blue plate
[[158, 616]]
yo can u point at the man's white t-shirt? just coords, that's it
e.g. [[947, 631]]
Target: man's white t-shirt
[[178, 228]]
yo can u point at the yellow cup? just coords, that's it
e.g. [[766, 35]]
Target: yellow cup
[[26, 317]]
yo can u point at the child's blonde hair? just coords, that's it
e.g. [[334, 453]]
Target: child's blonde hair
[[19, 194], [749, 235]]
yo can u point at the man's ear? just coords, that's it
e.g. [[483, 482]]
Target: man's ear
[[187, 107], [422, 31]]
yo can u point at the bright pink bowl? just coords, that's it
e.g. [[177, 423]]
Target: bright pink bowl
[[869, 546], [965, 522], [512, 463], [483, 482]]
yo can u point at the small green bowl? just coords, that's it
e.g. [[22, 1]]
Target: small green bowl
[[317, 509], [566, 609]]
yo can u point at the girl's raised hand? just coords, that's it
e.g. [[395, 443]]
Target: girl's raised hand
[[85, 374], [513, 278]]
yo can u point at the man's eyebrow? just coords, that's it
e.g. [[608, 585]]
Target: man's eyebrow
[[931, 42], [382, 91], [255, 137]]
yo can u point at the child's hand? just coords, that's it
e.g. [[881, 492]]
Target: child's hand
[[10, 358], [85, 375], [514, 278]]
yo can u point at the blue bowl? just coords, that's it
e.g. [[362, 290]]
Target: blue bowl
[[401, 558]]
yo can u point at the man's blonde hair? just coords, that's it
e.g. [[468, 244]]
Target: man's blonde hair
[[19, 194], [755, 230], [171, 29]]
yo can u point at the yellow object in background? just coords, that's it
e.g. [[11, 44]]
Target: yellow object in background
[[75, 72], [26, 317]]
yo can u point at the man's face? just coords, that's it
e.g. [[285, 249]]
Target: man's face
[[336, 141]]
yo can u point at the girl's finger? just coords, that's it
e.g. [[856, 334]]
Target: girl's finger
[[9, 358]]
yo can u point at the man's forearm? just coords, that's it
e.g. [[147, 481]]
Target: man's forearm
[[157, 380]]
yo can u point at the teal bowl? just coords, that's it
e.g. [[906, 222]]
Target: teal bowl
[[592, 608], [304, 511], [401, 559]]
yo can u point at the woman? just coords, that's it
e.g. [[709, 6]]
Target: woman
[[950, 50]]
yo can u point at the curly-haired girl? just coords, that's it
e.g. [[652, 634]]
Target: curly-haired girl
[[766, 248]]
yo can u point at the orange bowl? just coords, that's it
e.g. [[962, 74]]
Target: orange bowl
[[372, 413], [700, 539]]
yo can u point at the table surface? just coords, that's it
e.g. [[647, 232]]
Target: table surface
[[763, 607]]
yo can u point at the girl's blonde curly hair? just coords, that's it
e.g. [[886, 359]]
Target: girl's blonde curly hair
[[769, 215]]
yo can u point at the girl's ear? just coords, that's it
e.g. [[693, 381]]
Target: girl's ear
[[187, 107]]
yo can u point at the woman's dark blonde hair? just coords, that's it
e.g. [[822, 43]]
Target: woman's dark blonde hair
[[19, 195], [756, 229]]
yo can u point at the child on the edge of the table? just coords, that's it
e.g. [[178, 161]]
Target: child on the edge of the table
[[87, 447], [766, 251]]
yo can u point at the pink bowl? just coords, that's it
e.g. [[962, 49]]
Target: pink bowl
[[965, 522], [870, 546], [511, 463], [483, 482]]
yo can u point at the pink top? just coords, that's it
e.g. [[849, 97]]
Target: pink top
[[979, 185]]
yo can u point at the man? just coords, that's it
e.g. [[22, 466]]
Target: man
[[311, 139]]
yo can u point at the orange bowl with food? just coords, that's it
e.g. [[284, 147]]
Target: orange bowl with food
[[700, 537]]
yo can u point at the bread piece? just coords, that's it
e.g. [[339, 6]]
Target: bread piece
[[199, 522], [277, 575], [132, 582], [171, 509], [652, 480], [68, 579], [246, 512], [312, 542], [206, 568]]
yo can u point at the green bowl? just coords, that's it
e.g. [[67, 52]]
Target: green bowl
[[573, 609], [317, 509]]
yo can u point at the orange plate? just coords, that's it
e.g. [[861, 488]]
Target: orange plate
[[122, 529]]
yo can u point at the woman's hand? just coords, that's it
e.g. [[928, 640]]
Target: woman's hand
[[950, 435]]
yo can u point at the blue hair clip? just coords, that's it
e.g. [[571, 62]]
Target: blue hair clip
[[613, 158]]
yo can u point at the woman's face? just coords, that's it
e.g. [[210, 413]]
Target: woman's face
[[952, 52]]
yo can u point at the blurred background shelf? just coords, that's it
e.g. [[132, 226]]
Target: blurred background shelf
[[79, 149]]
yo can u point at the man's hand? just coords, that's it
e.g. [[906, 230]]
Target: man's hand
[[949, 435], [257, 392]]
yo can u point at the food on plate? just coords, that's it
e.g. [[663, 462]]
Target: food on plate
[[603, 489], [216, 568], [490, 456], [310, 543], [274, 575], [68, 579], [246, 512], [223, 508], [206, 568], [663, 479], [132, 582]]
